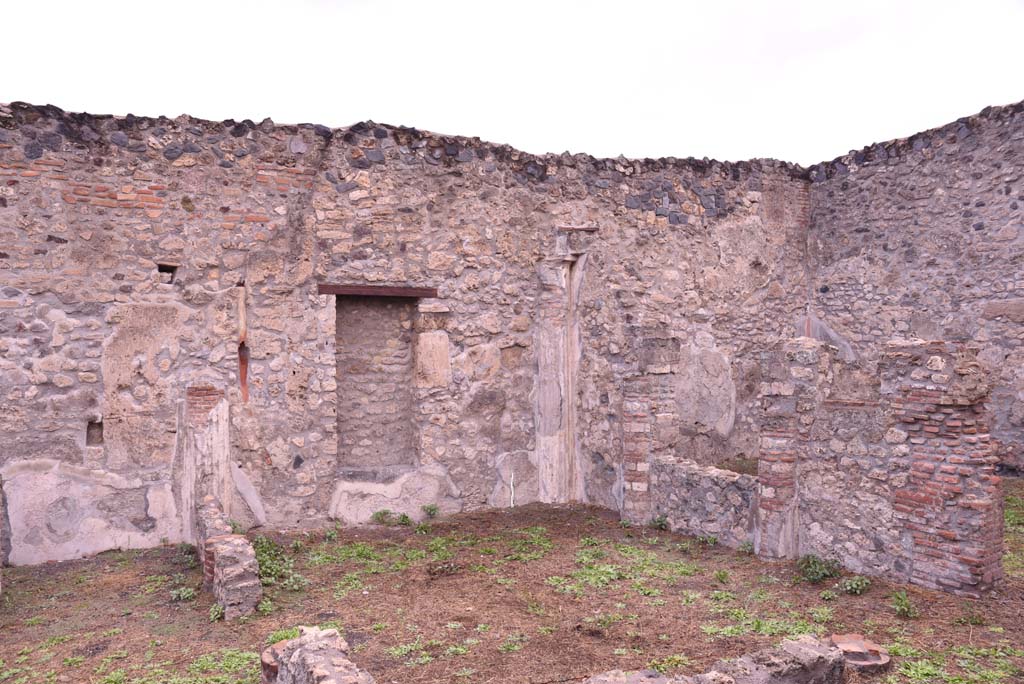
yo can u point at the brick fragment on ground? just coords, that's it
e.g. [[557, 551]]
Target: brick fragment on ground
[[861, 654]]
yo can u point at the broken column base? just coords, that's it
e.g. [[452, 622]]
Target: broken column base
[[316, 656], [805, 660], [862, 655]]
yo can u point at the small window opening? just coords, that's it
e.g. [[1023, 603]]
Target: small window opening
[[167, 272], [94, 433]]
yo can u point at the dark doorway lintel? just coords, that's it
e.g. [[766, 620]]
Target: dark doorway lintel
[[377, 290]]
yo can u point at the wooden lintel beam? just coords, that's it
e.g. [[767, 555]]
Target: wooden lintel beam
[[377, 290]]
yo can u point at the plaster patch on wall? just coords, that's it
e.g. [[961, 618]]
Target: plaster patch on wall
[[705, 392], [433, 359], [139, 411], [517, 482], [59, 511], [354, 502]]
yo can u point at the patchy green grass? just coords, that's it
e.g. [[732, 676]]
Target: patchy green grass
[[1013, 559], [533, 594]]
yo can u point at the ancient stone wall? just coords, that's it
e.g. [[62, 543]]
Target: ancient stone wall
[[145, 256], [376, 427], [925, 237], [891, 474], [950, 511], [705, 501], [594, 321]]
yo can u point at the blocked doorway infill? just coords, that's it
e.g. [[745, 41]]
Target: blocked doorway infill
[[374, 352]]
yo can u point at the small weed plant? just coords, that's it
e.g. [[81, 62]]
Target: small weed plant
[[383, 517], [903, 606], [855, 586], [815, 570], [182, 594]]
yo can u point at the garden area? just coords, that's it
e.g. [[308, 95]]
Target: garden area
[[536, 594]]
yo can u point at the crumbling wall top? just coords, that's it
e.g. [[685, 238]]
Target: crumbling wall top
[[103, 130], [931, 139]]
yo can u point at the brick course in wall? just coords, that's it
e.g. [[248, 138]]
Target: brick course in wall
[[899, 482], [951, 506], [200, 400]]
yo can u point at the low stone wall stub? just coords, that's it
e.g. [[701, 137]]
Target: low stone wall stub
[[704, 500], [316, 656], [210, 523], [230, 569], [236, 575]]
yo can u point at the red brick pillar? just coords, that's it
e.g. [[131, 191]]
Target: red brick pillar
[[650, 426], [950, 509], [637, 440], [789, 400]]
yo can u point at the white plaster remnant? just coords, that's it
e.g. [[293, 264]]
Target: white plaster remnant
[[355, 501]]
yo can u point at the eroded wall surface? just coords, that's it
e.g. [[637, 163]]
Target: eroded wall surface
[[889, 475], [595, 319], [137, 254], [925, 237]]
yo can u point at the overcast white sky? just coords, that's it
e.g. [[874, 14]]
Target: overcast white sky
[[728, 79]]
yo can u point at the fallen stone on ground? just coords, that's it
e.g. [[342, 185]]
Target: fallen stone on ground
[[804, 660], [316, 656]]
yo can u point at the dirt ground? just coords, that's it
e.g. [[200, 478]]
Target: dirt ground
[[535, 594]]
